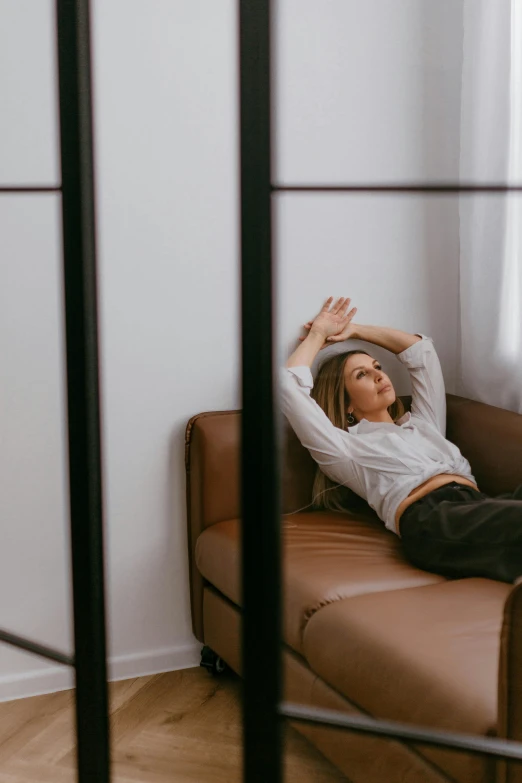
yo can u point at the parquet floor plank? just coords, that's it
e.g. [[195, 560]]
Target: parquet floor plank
[[181, 727]]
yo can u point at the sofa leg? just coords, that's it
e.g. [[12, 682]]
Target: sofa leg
[[212, 662]]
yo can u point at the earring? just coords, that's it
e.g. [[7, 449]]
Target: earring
[[350, 419]]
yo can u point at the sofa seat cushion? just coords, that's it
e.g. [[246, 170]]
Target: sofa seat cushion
[[427, 656], [327, 557]]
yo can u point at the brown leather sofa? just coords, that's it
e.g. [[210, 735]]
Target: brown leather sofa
[[364, 631]]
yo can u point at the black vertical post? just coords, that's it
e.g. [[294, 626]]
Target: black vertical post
[[260, 471], [79, 258]]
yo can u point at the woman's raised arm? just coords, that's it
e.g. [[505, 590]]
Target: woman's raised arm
[[393, 340], [327, 444], [418, 354]]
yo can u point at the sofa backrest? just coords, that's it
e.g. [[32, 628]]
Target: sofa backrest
[[490, 438], [212, 458]]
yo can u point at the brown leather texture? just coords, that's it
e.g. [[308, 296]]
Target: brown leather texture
[[326, 557], [491, 440], [212, 448]]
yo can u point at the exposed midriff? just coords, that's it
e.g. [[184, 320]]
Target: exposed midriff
[[428, 486]]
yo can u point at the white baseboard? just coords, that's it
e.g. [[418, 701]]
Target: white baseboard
[[167, 660], [123, 667], [36, 682]]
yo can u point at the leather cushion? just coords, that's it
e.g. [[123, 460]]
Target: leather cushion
[[327, 557], [428, 656]]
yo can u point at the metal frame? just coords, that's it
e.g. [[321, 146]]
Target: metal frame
[[260, 464], [30, 189], [439, 187], [81, 319], [261, 556]]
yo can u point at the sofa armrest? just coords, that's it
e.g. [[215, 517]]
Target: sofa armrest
[[510, 683], [212, 488]]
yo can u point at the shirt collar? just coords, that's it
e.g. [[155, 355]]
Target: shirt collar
[[369, 426]]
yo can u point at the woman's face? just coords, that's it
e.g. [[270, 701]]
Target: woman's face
[[370, 389]]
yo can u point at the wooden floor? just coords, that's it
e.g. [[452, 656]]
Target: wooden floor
[[181, 727]]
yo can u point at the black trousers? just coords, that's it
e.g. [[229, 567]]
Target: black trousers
[[457, 532]]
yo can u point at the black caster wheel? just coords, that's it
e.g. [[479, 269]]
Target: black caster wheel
[[212, 662]]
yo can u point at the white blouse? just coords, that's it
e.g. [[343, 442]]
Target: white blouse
[[379, 461]]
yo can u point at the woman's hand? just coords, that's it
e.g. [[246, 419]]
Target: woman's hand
[[333, 324]]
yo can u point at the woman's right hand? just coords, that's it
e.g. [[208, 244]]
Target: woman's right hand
[[330, 322]]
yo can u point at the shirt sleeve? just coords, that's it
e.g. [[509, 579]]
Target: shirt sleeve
[[326, 443], [427, 382]]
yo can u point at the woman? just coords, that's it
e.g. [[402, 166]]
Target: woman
[[416, 480]]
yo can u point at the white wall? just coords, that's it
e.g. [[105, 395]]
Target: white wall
[[363, 93], [34, 567], [166, 143], [29, 144]]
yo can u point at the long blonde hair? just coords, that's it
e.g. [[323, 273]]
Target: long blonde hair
[[330, 393]]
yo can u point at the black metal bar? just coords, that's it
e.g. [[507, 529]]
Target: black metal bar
[[30, 189], [262, 726], [448, 187], [471, 743], [81, 322], [34, 647]]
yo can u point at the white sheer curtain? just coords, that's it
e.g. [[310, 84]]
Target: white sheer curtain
[[491, 225]]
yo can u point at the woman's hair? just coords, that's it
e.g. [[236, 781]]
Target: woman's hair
[[330, 393]]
